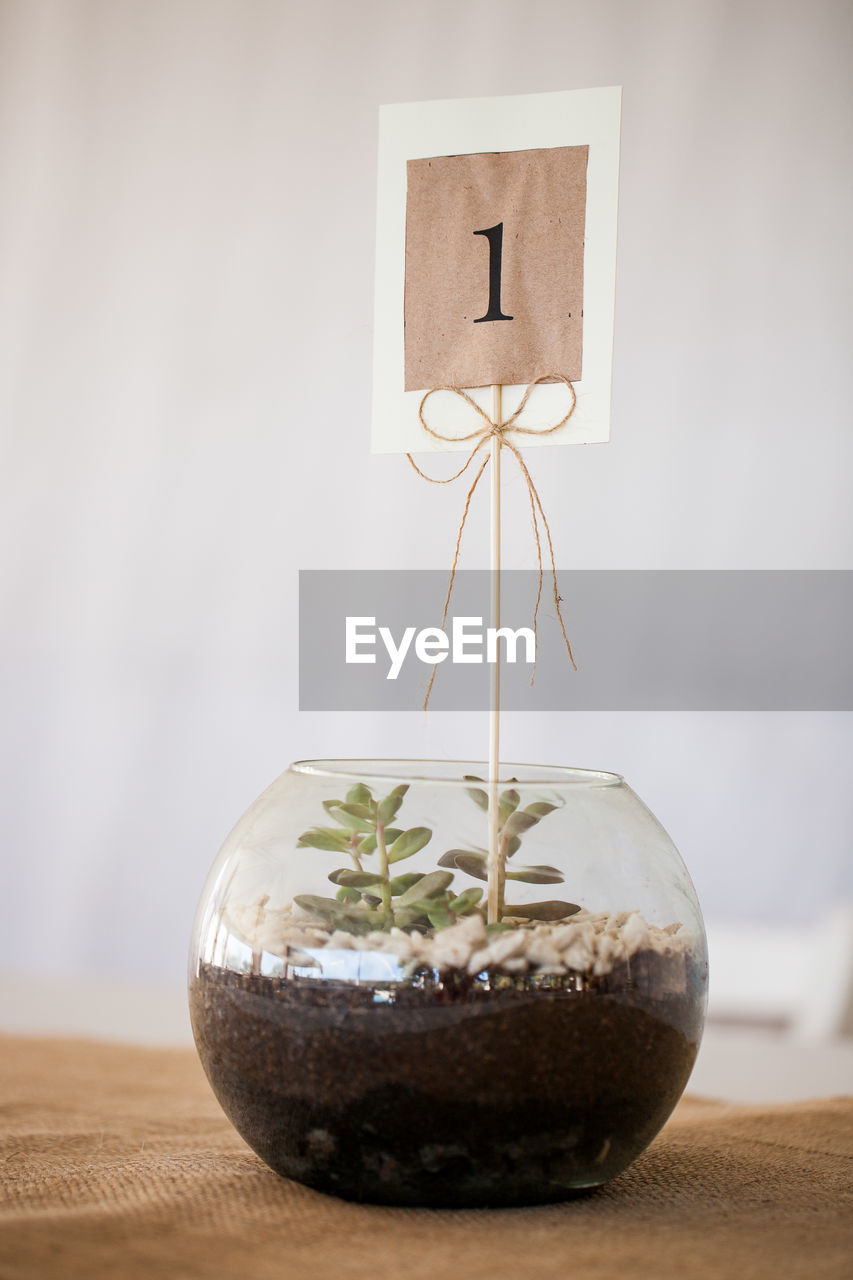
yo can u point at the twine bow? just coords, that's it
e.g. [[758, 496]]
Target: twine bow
[[482, 436]]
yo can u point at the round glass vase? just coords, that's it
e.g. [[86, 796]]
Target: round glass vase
[[389, 1013]]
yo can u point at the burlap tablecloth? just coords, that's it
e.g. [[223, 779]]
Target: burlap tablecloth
[[118, 1162]]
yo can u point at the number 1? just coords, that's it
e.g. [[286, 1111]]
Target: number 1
[[495, 237]]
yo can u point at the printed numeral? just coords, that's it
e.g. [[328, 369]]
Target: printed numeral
[[495, 237]]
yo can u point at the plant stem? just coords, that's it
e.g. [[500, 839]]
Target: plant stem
[[495, 861], [382, 853], [353, 852]]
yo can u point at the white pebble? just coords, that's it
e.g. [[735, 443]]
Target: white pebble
[[479, 961], [543, 954], [472, 928], [506, 945], [451, 953], [635, 933], [578, 956], [340, 941], [564, 934], [603, 960]]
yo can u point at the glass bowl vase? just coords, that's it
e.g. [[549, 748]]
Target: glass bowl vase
[[412, 986]]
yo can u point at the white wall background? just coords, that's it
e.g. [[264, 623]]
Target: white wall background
[[187, 199]]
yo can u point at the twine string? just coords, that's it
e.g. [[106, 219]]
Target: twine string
[[482, 435]]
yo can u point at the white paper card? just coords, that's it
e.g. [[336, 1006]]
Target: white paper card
[[474, 126]]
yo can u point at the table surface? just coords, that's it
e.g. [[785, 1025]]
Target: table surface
[[117, 1161]]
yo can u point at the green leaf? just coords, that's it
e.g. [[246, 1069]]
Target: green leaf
[[323, 906], [360, 794], [508, 803], [367, 844], [519, 822], [409, 842], [354, 816], [512, 845], [329, 805], [428, 887], [352, 917], [448, 859], [536, 875], [410, 917], [389, 806], [439, 917], [348, 895], [473, 864], [466, 901], [541, 808], [355, 879], [400, 884], [551, 910], [328, 838], [479, 797]]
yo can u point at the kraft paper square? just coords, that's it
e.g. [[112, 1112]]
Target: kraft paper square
[[494, 267]]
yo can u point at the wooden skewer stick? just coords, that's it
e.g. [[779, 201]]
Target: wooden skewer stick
[[495, 871]]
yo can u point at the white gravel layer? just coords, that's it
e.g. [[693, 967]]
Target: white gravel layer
[[585, 943]]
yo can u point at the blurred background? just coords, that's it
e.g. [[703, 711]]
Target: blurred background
[[187, 204]]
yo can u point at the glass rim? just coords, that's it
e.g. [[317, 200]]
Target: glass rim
[[451, 773]]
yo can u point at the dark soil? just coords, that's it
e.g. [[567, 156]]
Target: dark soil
[[450, 1092]]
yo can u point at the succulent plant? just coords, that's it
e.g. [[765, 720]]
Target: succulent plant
[[513, 822], [375, 897], [372, 897]]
